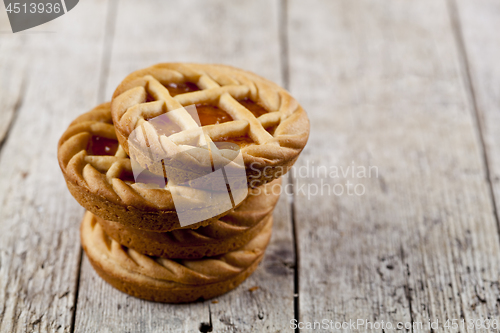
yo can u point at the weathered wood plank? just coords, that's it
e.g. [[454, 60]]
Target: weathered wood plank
[[481, 50], [39, 243], [101, 308], [244, 34], [198, 31], [270, 307], [478, 30], [383, 87], [12, 76]]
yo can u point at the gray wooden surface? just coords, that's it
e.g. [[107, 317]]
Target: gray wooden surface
[[408, 91]]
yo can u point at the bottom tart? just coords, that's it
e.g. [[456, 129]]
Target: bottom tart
[[168, 280], [226, 234]]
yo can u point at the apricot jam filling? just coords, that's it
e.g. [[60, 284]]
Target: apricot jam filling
[[174, 89], [149, 98], [271, 129], [255, 108], [181, 88], [211, 114], [207, 113], [98, 146]]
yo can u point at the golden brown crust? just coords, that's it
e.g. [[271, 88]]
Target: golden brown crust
[[183, 294], [98, 185], [167, 280], [272, 152], [183, 243], [156, 221], [228, 233]]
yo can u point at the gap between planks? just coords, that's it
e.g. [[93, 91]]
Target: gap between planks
[[285, 74], [13, 115], [469, 86], [107, 50], [109, 34]]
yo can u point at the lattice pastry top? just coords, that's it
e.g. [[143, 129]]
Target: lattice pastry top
[[232, 105]]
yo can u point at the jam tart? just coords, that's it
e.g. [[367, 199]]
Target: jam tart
[[169, 280], [233, 106]]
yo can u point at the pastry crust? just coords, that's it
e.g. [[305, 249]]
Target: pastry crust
[[99, 182], [167, 280], [228, 233], [268, 157]]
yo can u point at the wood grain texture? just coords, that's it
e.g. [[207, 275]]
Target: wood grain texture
[[264, 302], [12, 76], [386, 84], [479, 24], [383, 86], [244, 34], [39, 243]]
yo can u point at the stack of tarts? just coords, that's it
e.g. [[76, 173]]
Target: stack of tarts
[[132, 232]]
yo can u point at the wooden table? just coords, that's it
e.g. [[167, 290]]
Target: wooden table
[[409, 90]]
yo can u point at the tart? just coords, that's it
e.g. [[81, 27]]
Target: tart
[[233, 107], [228, 233], [168, 280], [99, 175]]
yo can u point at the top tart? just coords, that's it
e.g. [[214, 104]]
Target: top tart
[[235, 110]]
